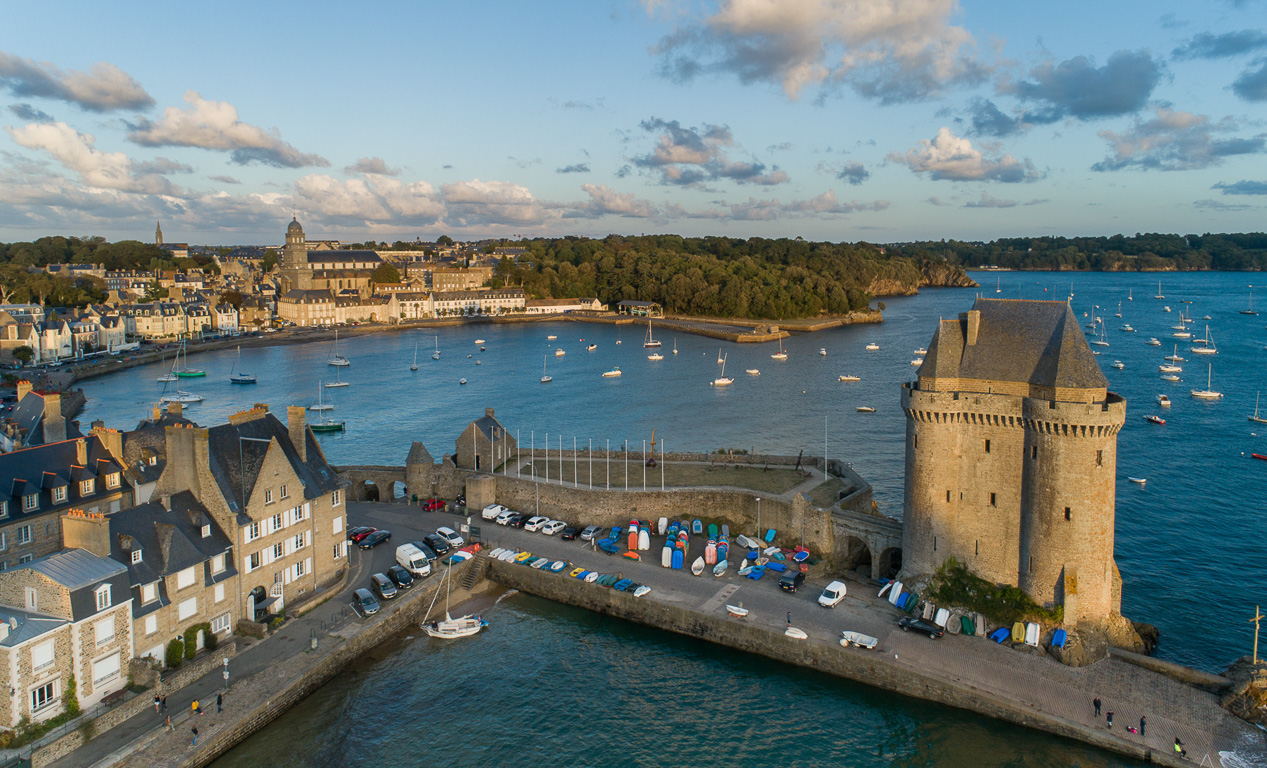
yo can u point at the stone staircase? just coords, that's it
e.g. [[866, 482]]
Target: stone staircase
[[475, 570]]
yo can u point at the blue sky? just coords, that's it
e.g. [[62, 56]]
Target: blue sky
[[828, 119]]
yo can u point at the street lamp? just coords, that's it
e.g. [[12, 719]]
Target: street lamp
[[758, 518], [226, 673]]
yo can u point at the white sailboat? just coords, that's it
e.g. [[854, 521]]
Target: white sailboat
[[171, 374], [675, 346], [650, 342], [236, 376], [1207, 393], [185, 373], [1250, 309], [321, 405], [721, 380], [181, 396], [450, 628], [1159, 295], [1256, 417], [780, 355], [998, 285], [1174, 356], [1102, 341], [414, 367], [436, 355], [1208, 348], [338, 382], [335, 358], [544, 378]]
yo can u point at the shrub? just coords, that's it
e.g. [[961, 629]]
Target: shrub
[[71, 698], [175, 653], [191, 638], [954, 584]]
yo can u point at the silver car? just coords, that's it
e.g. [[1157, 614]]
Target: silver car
[[591, 532]]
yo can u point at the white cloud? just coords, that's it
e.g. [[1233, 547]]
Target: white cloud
[[215, 125], [949, 157], [475, 203], [605, 201], [375, 199], [1175, 140], [686, 156], [825, 205], [374, 165], [104, 88], [896, 50], [77, 152]]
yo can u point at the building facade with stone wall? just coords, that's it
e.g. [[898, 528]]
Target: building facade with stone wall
[[1011, 457]]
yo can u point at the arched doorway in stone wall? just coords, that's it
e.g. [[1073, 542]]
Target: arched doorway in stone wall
[[857, 557], [398, 490], [369, 491], [890, 562]]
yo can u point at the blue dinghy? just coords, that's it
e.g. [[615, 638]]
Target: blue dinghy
[[623, 585], [1001, 634], [756, 573], [697, 526], [676, 562], [778, 567], [1058, 639], [609, 546]]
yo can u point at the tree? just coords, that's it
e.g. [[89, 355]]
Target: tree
[[385, 273], [23, 355], [270, 259], [232, 297], [444, 240], [155, 292]]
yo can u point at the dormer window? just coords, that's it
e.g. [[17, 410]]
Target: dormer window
[[30, 502], [59, 494], [86, 487], [153, 461], [206, 531], [112, 480], [103, 597], [136, 555]]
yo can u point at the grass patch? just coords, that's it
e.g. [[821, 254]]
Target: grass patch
[[755, 478], [955, 585], [824, 496]]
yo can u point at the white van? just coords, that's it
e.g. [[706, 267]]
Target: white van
[[411, 559], [832, 595], [492, 511]]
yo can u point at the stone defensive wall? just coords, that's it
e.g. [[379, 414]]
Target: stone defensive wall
[[869, 667]]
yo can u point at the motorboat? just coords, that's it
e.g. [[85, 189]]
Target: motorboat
[[753, 372], [1153, 342], [591, 348], [1169, 377], [551, 337], [921, 351], [612, 374], [479, 341], [1138, 480], [1154, 419], [559, 352], [462, 381], [1163, 401], [822, 351], [872, 347], [865, 409], [1118, 364], [655, 356], [849, 377], [1169, 368], [917, 361]]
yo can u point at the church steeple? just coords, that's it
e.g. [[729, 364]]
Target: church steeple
[[158, 233]]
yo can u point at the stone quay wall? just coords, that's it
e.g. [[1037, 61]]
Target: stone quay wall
[[852, 663]]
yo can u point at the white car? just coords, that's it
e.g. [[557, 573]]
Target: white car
[[553, 527], [504, 517], [451, 536], [535, 523], [492, 511], [832, 595]]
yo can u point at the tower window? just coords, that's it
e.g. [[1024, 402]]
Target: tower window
[[917, 441], [934, 543], [992, 499], [1099, 458], [1068, 513], [1033, 451], [978, 547], [1031, 563], [987, 446], [947, 497]]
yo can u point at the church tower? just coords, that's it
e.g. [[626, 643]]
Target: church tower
[[158, 233], [1011, 457], [295, 273]]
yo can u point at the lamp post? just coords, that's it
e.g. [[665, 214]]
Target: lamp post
[[758, 518], [226, 673]]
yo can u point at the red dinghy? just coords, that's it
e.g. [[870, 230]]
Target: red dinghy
[[1259, 456]]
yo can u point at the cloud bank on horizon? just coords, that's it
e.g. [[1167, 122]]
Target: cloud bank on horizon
[[733, 117]]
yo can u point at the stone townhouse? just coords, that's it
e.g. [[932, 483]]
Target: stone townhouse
[[64, 616], [560, 306], [159, 320], [180, 568], [37, 485], [57, 340], [197, 319], [484, 302], [143, 451], [224, 318], [408, 306], [484, 445], [269, 487], [15, 334], [38, 418]]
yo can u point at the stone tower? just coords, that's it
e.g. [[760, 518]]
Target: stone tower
[[295, 273], [1011, 457], [158, 233]]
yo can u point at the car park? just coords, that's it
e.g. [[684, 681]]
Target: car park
[[552, 527], [413, 560], [534, 524], [451, 536], [364, 602], [374, 539], [833, 593], [402, 578], [517, 520], [504, 517], [921, 626], [569, 533], [791, 580], [492, 511], [360, 532], [383, 586], [591, 532], [427, 552], [437, 544], [432, 505]]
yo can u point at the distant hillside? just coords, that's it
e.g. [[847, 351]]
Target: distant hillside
[[725, 277], [1139, 253]]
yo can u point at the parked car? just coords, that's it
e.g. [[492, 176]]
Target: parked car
[[569, 533], [552, 527], [492, 511], [921, 626], [427, 552], [431, 505], [437, 544], [360, 532], [384, 586], [413, 560], [517, 520], [534, 523], [791, 580], [374, 539], [591, 532], [364, 603], [401, 577], [832, 594], [451, 536], [504, 517]]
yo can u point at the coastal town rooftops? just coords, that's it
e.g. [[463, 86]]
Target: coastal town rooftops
[[41, 469], [328, 257], [75, 568], [1014, 340], [29, 415], [25, 625]]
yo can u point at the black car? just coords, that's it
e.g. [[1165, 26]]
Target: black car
[[517, 520], [401, 577], [383, 586], [426, 551], [921, 626], [436, 543], [360, 532], [364, 603], [791, 580], [374, 539], [569, 533]]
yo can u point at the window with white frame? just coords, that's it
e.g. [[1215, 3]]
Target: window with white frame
[[151, 624], [31, 501], [86, 487], [253, 531], [4, 509], [206, 531], [279, 551], [187, 608], [284, 494], [268, 496], [217, 563], [136, 555], [185, 578], [105, 670], [336, 498], [219, 593], [338, 525], [104, 630], [24, 534], [4, 540], [112, 480], [301, 540], [44, 696], [277, 523], [251, 562], [25, 559], [59, 494], [103, 597], [220, 624], [42, 656], [301, 567], [149, 593]]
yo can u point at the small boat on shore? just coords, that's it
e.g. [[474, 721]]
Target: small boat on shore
[[720, 568], [796, 633], [736, 611]]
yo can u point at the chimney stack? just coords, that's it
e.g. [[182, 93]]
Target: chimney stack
[[54, 421], [166, 500], [157, 414], [111, 439], [85, 530], [488, 412], [974, 325], [24, 388], [81, 451], [296, 418], [176, 409]]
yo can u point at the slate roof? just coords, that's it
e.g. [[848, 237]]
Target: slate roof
[[75, 568], [28, 625], [319, 257], [44, 467], [28, 414], [1033, 342], [486, 424]]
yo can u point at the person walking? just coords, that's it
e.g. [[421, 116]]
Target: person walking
[[196, 708], [789, 618], [195, 730], [1097, 706], [1179, 750], [162, 703], [1143, 723], [170, 729], [1109, 716], [220, 702], [157, 701]]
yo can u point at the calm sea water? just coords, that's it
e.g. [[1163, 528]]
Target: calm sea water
[[1190, 543]]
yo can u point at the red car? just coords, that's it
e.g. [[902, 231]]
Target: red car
[[356, 534], [431, 505]]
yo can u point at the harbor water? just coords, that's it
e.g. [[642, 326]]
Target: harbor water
[[1190, 541]]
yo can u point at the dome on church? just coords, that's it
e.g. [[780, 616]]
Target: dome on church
[[294, 226]]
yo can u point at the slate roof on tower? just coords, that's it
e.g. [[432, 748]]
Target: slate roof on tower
[[1034, 342]]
